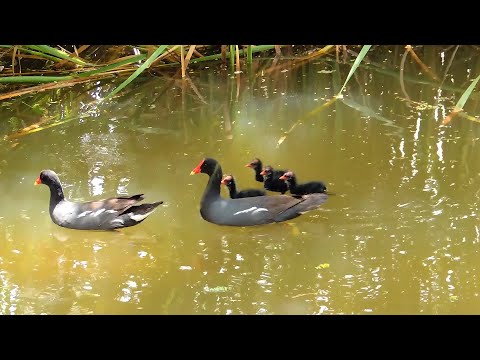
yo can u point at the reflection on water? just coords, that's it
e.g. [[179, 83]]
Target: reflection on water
[[400, 236]]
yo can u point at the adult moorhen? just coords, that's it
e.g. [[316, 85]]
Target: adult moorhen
[[108, 214], [302, 189], [249, 211], [272, 180], [229, 182]]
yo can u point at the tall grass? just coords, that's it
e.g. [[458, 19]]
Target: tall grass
[[60, 67]]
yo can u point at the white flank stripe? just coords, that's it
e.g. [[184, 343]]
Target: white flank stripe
[[83, 214], [253, 208], [98, 212], [259, 209]]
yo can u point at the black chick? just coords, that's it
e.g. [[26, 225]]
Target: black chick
[[271, 180], [302, 189], [256, 165], [229, 182]]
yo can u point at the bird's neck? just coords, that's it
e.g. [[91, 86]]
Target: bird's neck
[[292, 183], [258, 170], [268, 179], [213, 187], [233, 189], [56, 195]]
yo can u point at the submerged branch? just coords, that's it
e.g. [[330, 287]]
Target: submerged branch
[[315, 111], [402, 67], [449, 64], [36, 127]]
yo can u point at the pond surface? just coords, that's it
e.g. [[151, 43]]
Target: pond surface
[[401, 235]]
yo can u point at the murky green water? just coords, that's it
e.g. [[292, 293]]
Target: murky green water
[[400, 236]]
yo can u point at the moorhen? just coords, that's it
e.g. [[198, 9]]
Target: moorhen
[[250, 211], [108, 214], [229, 182], [256, 165], [302, 189], [272, 180]]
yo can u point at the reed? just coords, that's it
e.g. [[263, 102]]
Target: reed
[[62, 67]]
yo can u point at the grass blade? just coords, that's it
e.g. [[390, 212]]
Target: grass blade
[[255, 49], [60, 54], [355, 65], [232, 57], [33, 79], [37, 53], [40, 79], [463, 99], [325, 50], [145, 65], [249, 54], [126, 61], [461, 102]]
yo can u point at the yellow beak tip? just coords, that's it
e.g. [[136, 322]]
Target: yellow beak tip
[[192, 172]]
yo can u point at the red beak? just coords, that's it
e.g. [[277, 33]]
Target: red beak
[[198, 169]]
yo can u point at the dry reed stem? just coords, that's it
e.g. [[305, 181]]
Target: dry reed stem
[[13, 59], [237, 55], [182, 61], [189, 55], [424, 67], [278, 50]]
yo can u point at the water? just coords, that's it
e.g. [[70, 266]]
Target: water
[[401, 235]]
